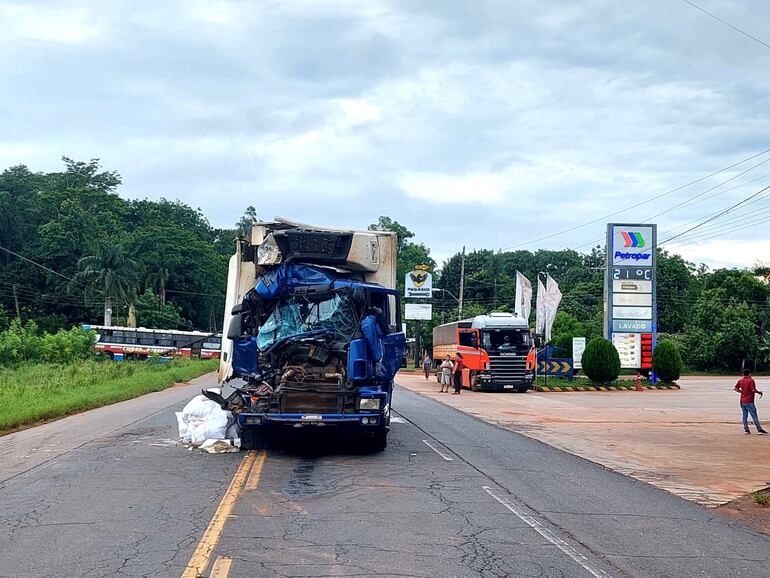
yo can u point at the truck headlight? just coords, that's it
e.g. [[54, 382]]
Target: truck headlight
[[371, 403]]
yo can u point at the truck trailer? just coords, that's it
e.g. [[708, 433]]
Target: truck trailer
[[313, 332]]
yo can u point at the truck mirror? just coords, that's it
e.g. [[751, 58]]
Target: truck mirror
[[474, 340], [538, 342], [237, 310], [234, 330]]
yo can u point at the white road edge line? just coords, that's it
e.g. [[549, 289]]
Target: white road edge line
[[538, 527], [438, 451]]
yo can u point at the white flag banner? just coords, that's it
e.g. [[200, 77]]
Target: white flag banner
[[540, 308], [523, 296], [552, 300]]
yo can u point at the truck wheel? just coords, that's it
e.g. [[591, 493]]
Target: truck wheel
[[474, 381], [523, 389], [379, 440], [253, 439]]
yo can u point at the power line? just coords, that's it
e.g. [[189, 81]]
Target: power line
[[724, 212], [639, 204], [23, 258], [726, 23]]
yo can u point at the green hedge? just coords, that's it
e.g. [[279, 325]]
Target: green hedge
[[601, 362], [667, 361]]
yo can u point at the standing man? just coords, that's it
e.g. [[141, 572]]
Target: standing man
[[747, 388], [426, 365], [458, 373]]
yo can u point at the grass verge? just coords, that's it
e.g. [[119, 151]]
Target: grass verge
[[36, 393]]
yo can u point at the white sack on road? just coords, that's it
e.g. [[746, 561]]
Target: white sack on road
[[202, 419]]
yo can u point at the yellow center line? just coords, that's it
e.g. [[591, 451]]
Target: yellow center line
[[221, 567], [256, 471], [200, 558]]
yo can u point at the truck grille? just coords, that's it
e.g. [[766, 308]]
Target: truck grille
[[507, 369], [292, 402]]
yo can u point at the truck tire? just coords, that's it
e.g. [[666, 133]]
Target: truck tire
[[522, 388], [253, 439], [379, 440], [474, 381]]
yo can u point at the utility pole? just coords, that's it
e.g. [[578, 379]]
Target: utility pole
[[417, 352], [16, 301], [462, 286]]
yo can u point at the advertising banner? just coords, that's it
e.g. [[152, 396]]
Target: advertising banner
[[540, 308], [523, 305], [552, 300]]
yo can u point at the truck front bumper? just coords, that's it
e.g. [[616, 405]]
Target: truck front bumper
[[296, 420]]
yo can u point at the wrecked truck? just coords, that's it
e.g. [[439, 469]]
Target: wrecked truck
[[313, 332]]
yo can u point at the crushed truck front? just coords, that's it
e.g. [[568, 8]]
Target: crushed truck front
[[313, 328]]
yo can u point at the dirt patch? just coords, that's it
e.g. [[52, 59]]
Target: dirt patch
[[748, 512]]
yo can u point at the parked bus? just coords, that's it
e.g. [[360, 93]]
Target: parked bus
[[138, 342], [497, 350]]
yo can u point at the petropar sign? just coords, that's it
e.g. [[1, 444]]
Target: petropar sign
[[633, 245]]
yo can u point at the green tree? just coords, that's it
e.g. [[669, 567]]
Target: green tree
[[150, 312], [387, 224], [246, 221], [109, 274]]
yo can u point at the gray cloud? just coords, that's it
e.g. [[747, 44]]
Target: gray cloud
[[484, 123]]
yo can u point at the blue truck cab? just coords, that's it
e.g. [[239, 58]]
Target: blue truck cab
[[313, 332]]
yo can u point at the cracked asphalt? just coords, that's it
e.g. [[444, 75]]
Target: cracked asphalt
[[130, 503]]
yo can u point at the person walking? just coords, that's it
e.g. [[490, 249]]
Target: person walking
[[446, 374], [459, 365], [426, 365], [747, 387]]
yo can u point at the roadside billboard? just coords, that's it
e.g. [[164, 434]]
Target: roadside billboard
[[418, 311], [630, 318], [578, 347], [419, 283]]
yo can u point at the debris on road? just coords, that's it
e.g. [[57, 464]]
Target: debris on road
[[220, 446], [203, 420]]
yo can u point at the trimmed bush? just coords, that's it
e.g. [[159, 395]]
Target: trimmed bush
[[667, 361], [601, 362]]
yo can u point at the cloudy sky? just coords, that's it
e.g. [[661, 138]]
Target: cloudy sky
[[487, 123]]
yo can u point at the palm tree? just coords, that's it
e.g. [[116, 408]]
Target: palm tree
[[109, 274]]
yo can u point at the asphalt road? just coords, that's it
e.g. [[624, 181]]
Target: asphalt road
[[451, 496]]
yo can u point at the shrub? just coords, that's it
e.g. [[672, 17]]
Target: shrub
[[20, 342], [667, 361], [67, 346], [601, 362]]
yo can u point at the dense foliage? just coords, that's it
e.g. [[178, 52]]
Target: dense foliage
[[601, 362], [667, 361], [106, 251]]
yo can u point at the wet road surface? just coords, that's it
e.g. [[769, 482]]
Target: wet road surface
[[451, 496]]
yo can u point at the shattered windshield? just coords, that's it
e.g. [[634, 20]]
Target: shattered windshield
[[336, 314]]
